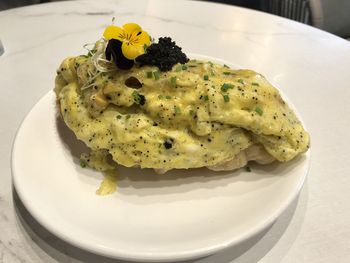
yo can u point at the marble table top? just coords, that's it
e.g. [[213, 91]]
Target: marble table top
[[315, 227]]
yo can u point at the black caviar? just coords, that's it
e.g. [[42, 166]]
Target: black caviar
[[164, 54]]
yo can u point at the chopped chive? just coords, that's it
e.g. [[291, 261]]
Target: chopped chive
[[160, 97], [259, 111], [206, 77], [173, 81], [226, 73], [226, 66], [191, 112], [226, 86], [168, 97], [241, 81], [184, 67], [210, 63], [206, 98], [212, 72], [127, 116], [149, 74], [226, 98], [178, 68], [156, 75], [138, 98], [82, 163], [192, 66], [145, 47], [255, 84], [248, 169], [119, 116], [177, 109]]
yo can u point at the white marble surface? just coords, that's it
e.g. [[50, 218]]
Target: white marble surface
[[310, 66]]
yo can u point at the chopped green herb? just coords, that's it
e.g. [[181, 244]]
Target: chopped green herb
[[206, 77], [83, 163], [226, 66], [226, 86], [206, 97], [184, 67], [177, 110], [178, 68], [128, 116], [212, 72], [173, 81], [119, 116], [145, 47], [226, 73], [149, 74], [241, 81], [156, 75], [248, 169], [259, 111], [210, 63], [255, 84], [138, 98], [160, 97], [168, 97], [191, 112], [192, 66], [226, 98]]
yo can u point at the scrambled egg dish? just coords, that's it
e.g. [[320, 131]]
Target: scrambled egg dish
[[198, 114]]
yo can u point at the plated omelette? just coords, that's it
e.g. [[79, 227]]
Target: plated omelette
[[138, 103]]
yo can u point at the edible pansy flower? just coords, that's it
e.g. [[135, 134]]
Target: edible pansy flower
[[125, 44]]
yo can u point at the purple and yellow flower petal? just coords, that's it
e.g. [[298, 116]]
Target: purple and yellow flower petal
[[133, 39]]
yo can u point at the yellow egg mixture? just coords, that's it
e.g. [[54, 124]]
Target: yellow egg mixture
[[199, 114]]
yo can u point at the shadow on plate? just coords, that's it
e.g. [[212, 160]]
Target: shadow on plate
[[136, 178], [250, 250]]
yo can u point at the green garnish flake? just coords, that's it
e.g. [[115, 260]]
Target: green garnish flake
[[259, 111], [156, 75], [255, 84], [173, 81], [149, 74], [248, 169], [226, 73], [119, 117], [145, 47], [240, 81], [168, 97], [178, 68], [226, 98], [128, 116], [160, 97], [184, 67], [191, 112], [210, 63], [226, 66], [226, 86], [138, 98], [212, 72], [177, 109], [83, 163], [206, 98], [206, 77]]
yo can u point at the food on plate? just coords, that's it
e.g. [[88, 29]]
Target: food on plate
[[141, 103]]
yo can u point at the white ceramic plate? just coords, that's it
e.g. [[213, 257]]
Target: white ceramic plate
[[176, 216]]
